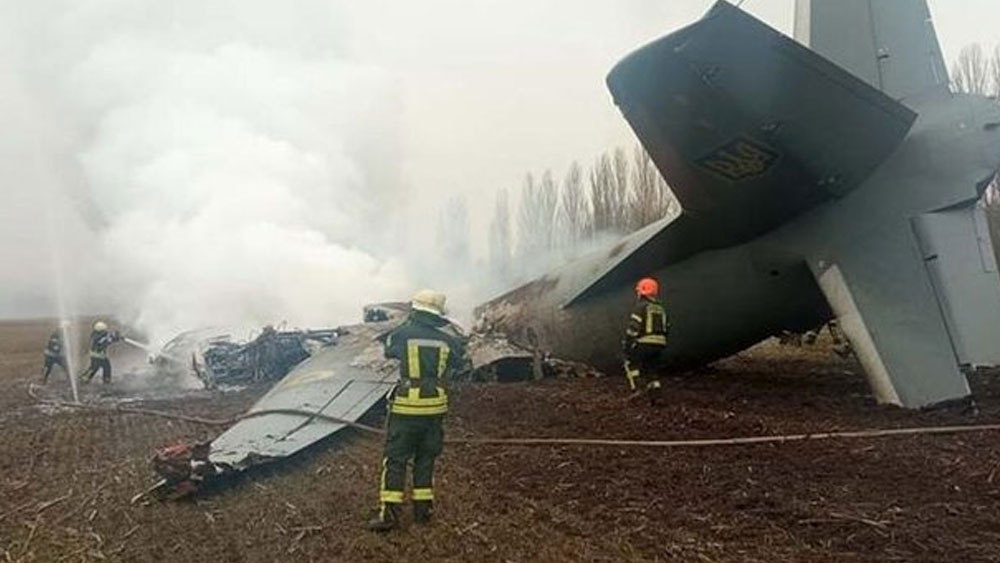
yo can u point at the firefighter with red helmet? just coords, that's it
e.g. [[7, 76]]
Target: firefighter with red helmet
[[645, 339]]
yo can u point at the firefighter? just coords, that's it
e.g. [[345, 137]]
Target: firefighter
[[429, 349], [100, 339], [55, 352], [645, 338]]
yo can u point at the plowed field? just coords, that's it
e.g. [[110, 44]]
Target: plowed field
[[66, 477]]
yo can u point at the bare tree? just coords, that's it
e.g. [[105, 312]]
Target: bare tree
[[602, 195], [528, 228], [619, 191], [500, 238], [573, 208], [545, 213], [994, 68], [971, 73], [647, 200]]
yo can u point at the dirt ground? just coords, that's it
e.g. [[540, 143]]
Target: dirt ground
[[66, 477]]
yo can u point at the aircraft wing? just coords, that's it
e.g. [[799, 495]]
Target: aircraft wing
[[750, 128], [662, 242], [342, 381]]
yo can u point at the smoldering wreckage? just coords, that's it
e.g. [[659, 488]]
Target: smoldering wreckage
[[325, 381]]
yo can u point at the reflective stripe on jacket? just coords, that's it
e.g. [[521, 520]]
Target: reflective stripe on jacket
[[648, 324], [428, 349]]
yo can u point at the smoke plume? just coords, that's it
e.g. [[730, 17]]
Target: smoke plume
[[227, 150]]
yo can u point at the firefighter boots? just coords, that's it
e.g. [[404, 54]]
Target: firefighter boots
[[387, 518]]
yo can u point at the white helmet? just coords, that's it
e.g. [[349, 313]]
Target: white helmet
[[429, 301], [100, 326]]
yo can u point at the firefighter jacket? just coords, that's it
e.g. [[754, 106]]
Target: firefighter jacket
[[648, 325], [99, 342], [428, 348], [54, 347]]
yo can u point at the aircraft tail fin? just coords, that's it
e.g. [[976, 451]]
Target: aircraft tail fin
[[890, 44]]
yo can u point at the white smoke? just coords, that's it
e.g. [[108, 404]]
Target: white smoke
[[229, 150]]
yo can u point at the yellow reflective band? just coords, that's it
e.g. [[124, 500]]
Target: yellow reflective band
[[652, 310], [423, 494], [419, 411], [413, 354], [381, 481], [384, 494], [631, 375], [413, 359], [636, 318], [413, 398], [391, 497], [653, 339], [442, 360]]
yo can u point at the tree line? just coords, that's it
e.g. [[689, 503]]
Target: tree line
[[619, 192]]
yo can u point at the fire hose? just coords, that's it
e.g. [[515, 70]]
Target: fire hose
[[744, 440]]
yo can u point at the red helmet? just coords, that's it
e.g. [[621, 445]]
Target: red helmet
[[647, 287]]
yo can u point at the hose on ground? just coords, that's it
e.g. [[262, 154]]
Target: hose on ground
[[581, 442]]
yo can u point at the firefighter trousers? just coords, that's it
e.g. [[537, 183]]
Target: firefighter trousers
[[420, 438], [640, 362], [50, 362], [102, 364]]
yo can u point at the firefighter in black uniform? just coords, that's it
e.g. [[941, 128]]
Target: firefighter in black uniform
[[55, 352], [429, 348], [645, 338], [100, 339]]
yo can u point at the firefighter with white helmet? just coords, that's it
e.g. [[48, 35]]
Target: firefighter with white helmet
[[429, 349], [100, 340]]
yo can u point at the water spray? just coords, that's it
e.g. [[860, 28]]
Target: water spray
[[62, 297], [151, 351]]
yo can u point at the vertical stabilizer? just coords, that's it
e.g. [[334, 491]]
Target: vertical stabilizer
[[891, 44]]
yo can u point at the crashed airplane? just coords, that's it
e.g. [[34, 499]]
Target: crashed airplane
[[833, 177], [836, 178]]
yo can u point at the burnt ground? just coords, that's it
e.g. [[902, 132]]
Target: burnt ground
[[66, 477]]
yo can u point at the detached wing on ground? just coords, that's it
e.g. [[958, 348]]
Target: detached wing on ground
[[341, 382]]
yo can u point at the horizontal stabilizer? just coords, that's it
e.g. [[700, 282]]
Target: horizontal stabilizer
[[886, 304], [659, 244], [750, 128]]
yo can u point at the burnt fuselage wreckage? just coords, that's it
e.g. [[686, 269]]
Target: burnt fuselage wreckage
[[836, 176]]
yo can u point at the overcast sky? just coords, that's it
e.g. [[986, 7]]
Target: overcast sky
[[482, 91]]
